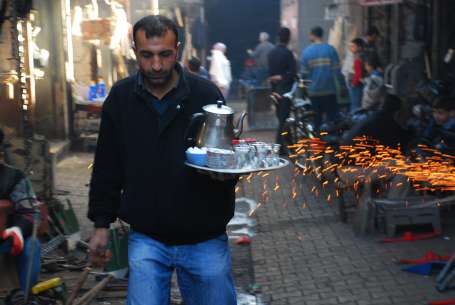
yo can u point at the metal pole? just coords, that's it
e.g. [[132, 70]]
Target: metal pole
[[436, 43], [28, 279], [156, 7], [395, 33]]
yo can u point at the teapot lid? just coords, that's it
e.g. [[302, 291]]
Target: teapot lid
[[218, 108]]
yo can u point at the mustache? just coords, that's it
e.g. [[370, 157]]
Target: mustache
[[156, 75]]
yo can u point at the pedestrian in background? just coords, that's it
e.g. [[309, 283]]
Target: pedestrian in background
[[370, 43], [282, 71], [177, 215], [355, 84], [261, 55], [321, 65], [374, 89], [220, 68], [194, 66], [440, 132]]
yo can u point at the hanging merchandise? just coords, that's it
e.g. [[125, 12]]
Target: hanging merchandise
[[18, 37], [97, 29]]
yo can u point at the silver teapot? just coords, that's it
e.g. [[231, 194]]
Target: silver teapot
[[215, 127]]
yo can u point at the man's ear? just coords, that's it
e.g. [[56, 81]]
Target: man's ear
[[134, 48]]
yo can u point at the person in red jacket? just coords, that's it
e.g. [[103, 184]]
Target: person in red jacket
[[355, 84]]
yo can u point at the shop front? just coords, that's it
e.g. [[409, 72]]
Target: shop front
[[415, 39]]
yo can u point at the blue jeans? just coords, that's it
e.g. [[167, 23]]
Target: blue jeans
[[355, 95], [24, 259], [203, 272]]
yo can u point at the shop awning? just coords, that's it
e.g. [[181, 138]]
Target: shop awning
[[378, 2]]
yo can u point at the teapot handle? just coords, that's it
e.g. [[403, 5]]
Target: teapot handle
[[193, 129]]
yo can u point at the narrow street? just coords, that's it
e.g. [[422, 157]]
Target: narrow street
[[337, 117]]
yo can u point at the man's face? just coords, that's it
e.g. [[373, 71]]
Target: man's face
[[441, 116], [156, 57], [369, 68], [312, 38], [353, 47]]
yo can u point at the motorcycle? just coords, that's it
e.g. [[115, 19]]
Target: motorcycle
[[298, 124]]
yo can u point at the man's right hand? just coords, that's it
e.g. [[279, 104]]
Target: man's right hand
[[99, 255]]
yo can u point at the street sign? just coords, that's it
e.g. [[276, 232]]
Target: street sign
[[378, 2]]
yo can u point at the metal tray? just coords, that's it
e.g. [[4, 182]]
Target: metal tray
[[283, 163]]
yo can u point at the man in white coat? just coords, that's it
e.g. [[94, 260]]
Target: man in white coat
[[220, 68]]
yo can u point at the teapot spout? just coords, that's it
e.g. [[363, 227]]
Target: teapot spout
[[238, 131]]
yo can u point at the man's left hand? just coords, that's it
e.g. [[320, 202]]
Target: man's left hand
[[15, 233]]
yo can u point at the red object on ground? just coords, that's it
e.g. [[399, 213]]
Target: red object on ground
[[15, 234], [250, 140], [429, 257], [443, 302], [409, 236], [244, 240]]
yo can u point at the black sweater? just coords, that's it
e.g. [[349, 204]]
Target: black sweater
[[139, 173]]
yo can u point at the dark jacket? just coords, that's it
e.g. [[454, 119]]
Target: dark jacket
[[282, 62], [139, 173]]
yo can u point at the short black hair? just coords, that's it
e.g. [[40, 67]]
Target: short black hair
[[194, 64], [284, 35], [372, 30], [359, 42], [317, 31], [444, 103], [2, 136], [373, 60], [155, 26]]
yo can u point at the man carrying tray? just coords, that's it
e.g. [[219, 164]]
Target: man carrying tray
[[178, 216]]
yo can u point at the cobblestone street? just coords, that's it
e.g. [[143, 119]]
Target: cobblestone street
[[302, 254]]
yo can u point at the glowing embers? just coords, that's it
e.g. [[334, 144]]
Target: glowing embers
[[431, 170]]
